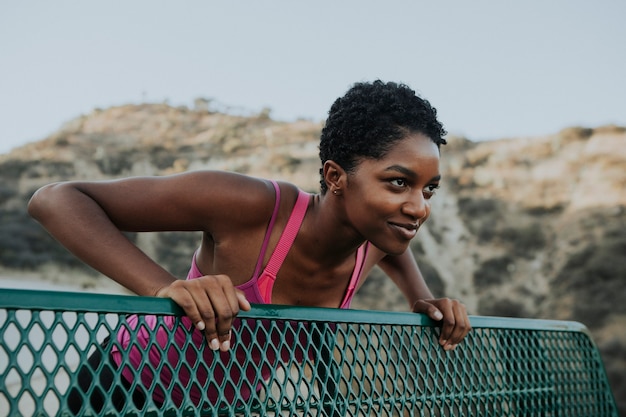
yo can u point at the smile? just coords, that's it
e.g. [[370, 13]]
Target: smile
[[405, 230]]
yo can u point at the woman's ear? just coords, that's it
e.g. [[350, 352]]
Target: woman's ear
[[334, 175]]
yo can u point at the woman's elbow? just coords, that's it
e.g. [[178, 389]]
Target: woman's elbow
[[43, 201]]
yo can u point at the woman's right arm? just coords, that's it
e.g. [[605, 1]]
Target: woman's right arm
[[80, 223], [89, 219]]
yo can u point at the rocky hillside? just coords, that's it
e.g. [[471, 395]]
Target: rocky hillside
[[527, 227]]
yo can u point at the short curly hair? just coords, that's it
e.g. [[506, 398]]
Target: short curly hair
[[370, 118]]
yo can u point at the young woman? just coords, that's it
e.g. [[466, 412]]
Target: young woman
[[379, 152]]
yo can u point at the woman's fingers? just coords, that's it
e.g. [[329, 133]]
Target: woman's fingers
[[219, 306], [178, 292], [211, 303], [455, 323], [462, 324], [428, 308], [244, 304]]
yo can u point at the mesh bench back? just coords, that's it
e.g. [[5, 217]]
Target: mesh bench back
[[319, 362]]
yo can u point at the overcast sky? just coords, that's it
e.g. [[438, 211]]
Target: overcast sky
[[492, 68]]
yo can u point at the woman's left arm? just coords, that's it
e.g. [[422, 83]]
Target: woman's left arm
[[403, 270]]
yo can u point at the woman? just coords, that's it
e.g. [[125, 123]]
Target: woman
[[379, 152]]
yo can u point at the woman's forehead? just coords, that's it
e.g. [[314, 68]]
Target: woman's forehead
[[414, 156], [413, 147]]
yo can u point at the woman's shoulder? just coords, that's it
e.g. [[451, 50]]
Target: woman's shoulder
[[241, 199], [288, 192], [235, 185]]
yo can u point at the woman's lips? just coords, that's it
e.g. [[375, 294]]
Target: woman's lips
[[405, 230]]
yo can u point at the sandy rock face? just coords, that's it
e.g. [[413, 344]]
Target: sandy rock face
[[530, 227]]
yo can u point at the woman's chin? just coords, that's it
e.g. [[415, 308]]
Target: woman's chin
[[392, 249]]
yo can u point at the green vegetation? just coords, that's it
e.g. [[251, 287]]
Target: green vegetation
[[6, 193], [24, 244], [523, 241], [161, 157], [470, 208], [174, 251], [116, 163], [596, 276], [489, 306], [432, 278], [481, 216], [493, 271]]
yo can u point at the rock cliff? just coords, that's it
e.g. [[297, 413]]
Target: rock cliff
[[526, 227]]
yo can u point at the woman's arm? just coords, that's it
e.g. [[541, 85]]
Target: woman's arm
[[403, 270], [89, 217]]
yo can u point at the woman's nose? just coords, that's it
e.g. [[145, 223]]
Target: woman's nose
[[416, 206]]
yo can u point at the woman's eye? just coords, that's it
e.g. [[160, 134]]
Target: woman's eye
[[398, 182], [429, 191]]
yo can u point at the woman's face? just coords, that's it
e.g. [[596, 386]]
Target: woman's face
[[388, 199]]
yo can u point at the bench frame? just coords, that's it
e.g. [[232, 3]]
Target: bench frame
[[357, 362]]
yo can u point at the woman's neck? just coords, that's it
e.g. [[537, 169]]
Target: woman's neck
[[324, 234]]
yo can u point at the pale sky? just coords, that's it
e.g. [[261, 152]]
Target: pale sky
[[493, 69]]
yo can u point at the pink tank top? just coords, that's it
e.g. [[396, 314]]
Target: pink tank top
[[257, 290]]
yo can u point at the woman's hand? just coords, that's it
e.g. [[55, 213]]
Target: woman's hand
[[453, 316], [211, 302]]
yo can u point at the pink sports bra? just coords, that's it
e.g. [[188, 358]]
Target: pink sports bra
[[259, 288], [152, 343]]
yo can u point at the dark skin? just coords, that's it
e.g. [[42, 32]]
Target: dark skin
[[381, 201]]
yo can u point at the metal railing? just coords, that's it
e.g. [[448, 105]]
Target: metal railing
[[287, 361]]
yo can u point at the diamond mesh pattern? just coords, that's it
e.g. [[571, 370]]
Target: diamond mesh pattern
[[299, 362]]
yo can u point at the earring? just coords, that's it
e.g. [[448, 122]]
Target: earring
[[335, 192]]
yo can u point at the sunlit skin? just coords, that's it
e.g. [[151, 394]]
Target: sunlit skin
[[390, 198], [379, 150], [383, 201]]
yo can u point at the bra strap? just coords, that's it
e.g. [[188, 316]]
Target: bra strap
[[289, 234], [268, 232], [361, 256]]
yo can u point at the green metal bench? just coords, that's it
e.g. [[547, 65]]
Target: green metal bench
[[357, 363]]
